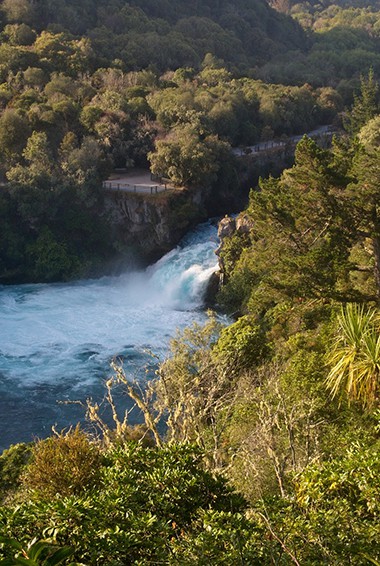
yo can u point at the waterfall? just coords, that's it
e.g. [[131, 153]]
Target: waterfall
[[57, 340]]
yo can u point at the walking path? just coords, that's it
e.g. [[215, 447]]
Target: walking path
[[264, 146]]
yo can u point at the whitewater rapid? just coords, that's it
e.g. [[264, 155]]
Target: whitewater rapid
[[57, 340]]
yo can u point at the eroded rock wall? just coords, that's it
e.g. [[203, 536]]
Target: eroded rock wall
[[148, 226]]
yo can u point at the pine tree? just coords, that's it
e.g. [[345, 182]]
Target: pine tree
[[365, 104], [363, 194], [302, 235]]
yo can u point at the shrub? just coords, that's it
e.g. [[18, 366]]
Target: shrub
[[63, 464], [148, 499], [12, 463]]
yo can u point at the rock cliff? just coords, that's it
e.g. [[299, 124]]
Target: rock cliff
[[145, 227]]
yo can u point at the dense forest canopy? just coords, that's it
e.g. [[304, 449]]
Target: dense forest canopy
[[88, 86], [163, 34], [318, 7]]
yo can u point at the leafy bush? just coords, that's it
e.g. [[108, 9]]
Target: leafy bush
[[63, 464], [241, 345], [335, 517], [146, 500], [12, 462]]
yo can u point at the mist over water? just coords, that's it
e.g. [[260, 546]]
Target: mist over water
[[57, 340]]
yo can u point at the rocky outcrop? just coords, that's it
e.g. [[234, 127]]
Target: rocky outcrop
[[244, 224], [145, 227], [228, 227], [212, 289]]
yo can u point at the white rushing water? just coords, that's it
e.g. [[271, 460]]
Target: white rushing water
[[57, 340]]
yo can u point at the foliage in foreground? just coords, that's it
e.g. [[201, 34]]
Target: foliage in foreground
[[12, 463], [35, 553], [161, 506], [147, 508], [355, 356]]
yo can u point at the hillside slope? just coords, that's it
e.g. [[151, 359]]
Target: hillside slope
[[165, 34]]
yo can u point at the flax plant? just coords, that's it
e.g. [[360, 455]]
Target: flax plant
[[355, 357]]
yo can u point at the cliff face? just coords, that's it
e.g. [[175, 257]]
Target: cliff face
[[146, 227]]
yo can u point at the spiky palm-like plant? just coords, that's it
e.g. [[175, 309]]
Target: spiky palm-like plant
[[36, 553], [355, 356]]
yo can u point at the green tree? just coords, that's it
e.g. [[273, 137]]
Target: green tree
[[85, 164], [241, 346], [49, 258], [186, 159], [14, 132], [362, 196], [336, 510], [40, 164], [20, 11], [300, 236], [365, 105], [19, 34]]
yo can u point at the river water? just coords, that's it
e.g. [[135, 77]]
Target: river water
[[57, 340]]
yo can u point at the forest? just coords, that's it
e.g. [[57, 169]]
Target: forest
[[88, 86], [259, 440]]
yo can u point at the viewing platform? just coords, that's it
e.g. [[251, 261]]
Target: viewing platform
[[137, 181]]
